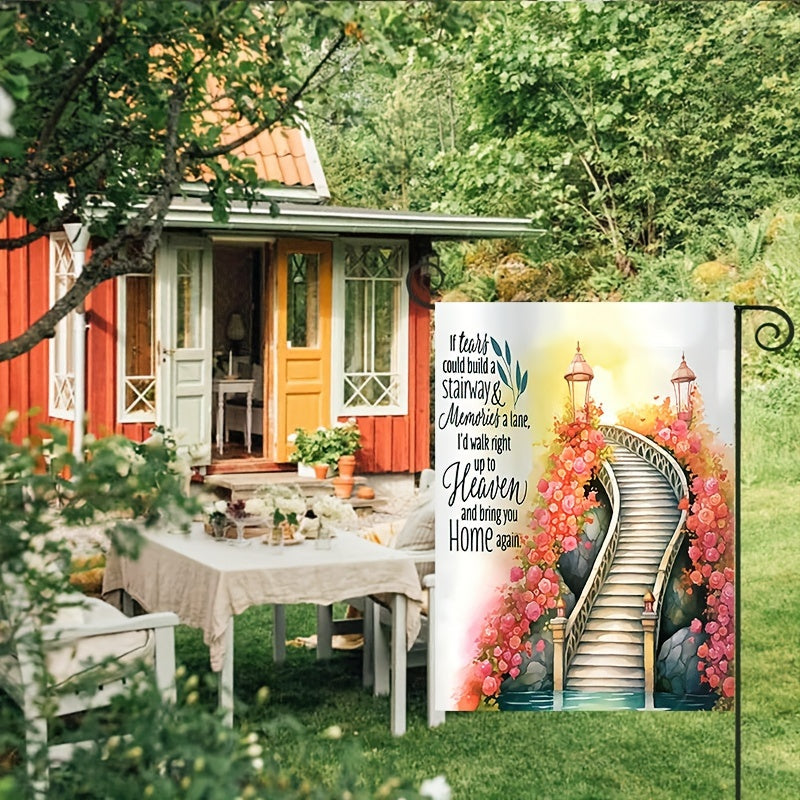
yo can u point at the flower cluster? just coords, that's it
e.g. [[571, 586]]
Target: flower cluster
[[710, 525], [333, 511], [534, 586]]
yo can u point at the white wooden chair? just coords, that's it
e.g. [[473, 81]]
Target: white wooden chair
[[417, 532], [92, 643], [377, 652]]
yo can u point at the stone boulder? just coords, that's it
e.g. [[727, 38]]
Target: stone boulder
[[682, 602], [676, 665], [576, 565], [536, 670]]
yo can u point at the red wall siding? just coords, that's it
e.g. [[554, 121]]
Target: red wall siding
[[101, 373], [401, 443], [24, 288]]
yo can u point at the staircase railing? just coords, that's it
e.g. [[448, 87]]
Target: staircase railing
[[576, 623], [673, 472]]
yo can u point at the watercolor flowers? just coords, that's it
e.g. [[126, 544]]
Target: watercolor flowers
[[529, 597]]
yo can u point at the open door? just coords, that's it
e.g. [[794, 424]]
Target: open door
[[303, 348], [184, 296]]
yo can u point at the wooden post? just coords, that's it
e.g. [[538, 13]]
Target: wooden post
[[558, 626], [649, 628]]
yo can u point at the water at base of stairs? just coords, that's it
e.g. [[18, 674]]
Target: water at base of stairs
[[571, 700]]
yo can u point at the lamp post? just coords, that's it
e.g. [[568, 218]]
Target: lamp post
[[579, 380], [682, 383]]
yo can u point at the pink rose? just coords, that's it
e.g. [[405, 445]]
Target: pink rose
[[489, 686], [533, 611], [540, 646], [516, 574], [712, 554], [570, 543], [694, 552], [544, 586], [542, 486], [534, 575], [696, 626], [728, 686]]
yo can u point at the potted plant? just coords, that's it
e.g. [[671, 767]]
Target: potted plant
[[345, 439], [327, 446], [309, 450]]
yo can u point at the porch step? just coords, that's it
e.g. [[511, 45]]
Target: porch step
[[241, 485]]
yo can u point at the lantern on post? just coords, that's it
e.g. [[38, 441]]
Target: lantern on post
[[682, 383], [579, 379]]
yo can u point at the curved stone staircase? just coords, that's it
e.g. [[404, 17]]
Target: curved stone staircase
[[610, 656]]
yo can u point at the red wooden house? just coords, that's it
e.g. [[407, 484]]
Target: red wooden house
[[309, 308]]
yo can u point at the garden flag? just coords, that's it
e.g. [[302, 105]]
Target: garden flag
[[584, 505]]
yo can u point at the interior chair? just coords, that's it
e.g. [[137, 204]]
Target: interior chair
[[90, 643]]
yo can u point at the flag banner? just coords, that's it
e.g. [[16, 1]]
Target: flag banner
[[584, 505]]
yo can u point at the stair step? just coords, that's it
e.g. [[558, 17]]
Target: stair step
[[617, 601], [629, 569], [607, 684], [604, 673], [630, 557], [622, 613], [634, 512], [615, 625], [591, 659], [613, 636], [621, 587], [625, 547]]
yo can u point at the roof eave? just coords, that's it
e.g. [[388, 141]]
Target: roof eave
[[188, 212]]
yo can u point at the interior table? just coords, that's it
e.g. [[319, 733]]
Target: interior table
[[225, 386], [208, 582]]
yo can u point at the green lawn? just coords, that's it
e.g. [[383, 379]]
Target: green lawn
[[569, 756], [562, 756]]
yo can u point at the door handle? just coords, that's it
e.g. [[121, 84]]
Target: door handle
[[164, 352]]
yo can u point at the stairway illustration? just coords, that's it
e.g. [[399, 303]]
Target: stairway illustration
[[610, 655]]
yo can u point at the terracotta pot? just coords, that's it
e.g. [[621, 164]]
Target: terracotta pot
[[321, 471], [365, 492], [343, 487], [347, 466]]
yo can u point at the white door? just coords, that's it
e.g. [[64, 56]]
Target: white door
[[184, 299]]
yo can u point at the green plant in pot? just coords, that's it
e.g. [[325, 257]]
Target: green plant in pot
[[326, 445]]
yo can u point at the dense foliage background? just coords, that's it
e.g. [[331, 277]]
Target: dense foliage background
[[653, 144]]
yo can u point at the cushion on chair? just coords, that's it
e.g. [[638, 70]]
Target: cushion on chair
[[67, 662], [418, 531]]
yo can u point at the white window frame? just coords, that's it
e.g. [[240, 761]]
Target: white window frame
[[338, 406], [61, 378], [123, 415]]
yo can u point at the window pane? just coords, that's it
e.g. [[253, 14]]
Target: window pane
[[386, 305], [373, 285], [188, 310], [140, 384], [355, 330], [302, 327]]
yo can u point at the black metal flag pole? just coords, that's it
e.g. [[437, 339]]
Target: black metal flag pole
[[778, 341]]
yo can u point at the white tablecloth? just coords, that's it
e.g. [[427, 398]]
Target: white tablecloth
[[206, 582]]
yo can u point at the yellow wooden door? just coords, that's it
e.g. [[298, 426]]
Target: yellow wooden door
[[303, 300]]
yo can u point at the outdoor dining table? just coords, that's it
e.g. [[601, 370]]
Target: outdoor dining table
[[207, 582]]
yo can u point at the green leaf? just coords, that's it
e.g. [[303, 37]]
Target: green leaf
[[503, 374]]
